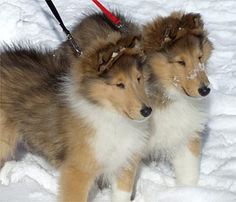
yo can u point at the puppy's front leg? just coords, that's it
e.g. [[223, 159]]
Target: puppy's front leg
[[123, 184], [187, 163], [8, 138], [75, 184]]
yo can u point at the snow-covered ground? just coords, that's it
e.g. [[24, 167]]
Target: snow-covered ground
[[33, 180]]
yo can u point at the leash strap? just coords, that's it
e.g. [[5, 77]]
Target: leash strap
[[116, 21], [67, 32]]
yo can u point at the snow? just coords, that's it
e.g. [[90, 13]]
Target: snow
[[32, 180]]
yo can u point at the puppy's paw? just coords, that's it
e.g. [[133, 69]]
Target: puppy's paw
[[121, 196]]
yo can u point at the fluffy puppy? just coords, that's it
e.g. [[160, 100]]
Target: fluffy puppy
[[89, 119], [94, 26], [178, 49]]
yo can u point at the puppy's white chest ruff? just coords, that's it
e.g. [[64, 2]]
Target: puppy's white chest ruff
[[175, 124], [117, 142]]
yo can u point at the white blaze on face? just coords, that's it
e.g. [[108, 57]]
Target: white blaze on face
[[193, 75]]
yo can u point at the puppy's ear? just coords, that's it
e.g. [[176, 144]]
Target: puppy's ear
[[107, 56], [192, 22], [134, 46], [104, 57], [197, 20], [169, 31]]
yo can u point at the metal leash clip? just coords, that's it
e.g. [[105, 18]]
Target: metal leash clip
[[67, 32]]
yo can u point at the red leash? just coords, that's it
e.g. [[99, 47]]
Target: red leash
[[116, 21]]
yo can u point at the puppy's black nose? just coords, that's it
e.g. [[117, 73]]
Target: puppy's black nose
[[204, 91], [146, 111]]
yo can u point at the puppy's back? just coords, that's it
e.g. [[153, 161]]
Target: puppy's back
[[24, 69], [30, 88]]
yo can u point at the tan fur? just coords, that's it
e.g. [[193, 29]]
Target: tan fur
[[187, 43], [75, 184], [126, 179], [128, 101], [195, 146], [80, 168], [123, 100], [8, 138]]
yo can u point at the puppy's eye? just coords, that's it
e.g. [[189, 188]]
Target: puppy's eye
[[120, 85], [139, 79], [200, 58], [181, 62]]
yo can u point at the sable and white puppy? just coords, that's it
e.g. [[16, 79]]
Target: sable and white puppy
[[178, 49], [87, 119]]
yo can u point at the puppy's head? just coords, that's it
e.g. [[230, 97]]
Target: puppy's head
[[180, 50], [110, 74]]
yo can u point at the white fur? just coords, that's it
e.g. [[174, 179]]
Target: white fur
[[186, 167], [120, 196], [117, 139], [173, 126]]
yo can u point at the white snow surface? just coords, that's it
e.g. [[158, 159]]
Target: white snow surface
[[32, 180]]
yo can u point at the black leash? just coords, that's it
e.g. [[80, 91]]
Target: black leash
[[67, 32]]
